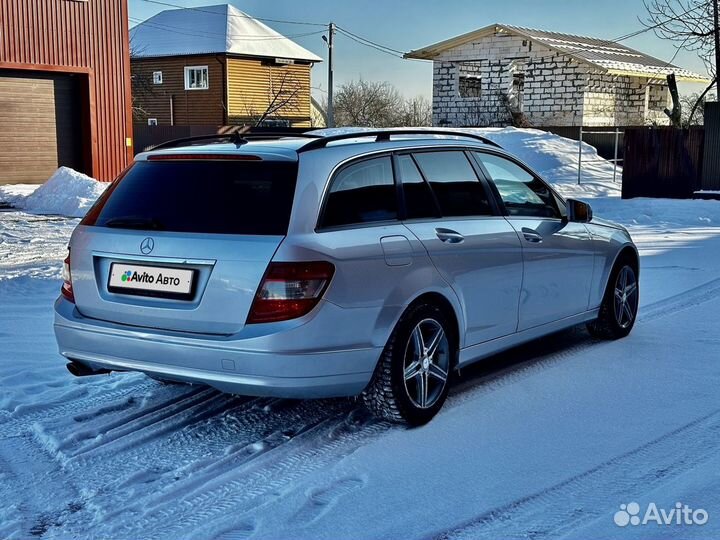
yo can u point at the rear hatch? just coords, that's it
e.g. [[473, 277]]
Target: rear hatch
[[182, 243]]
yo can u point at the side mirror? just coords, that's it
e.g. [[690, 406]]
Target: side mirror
[[578, 211]]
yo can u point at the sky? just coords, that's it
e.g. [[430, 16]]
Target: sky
[[411, 24]]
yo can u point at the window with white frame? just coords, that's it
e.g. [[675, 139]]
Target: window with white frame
[[196, 78], [157, 77]]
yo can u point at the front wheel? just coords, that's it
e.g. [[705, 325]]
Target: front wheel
[[620, 304], [411, 380]]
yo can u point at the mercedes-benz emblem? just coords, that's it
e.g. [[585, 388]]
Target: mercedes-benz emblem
[[147, 245]]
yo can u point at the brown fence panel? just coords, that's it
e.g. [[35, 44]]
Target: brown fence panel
[[662, 162], [711, 159], [148, 136]]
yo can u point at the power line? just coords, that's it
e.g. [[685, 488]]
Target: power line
[[372, 45], [370, 42], [241, 15]]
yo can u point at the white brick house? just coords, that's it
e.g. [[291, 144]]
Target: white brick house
[[483, 77]]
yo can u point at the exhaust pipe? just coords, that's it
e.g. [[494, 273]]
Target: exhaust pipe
[[81, 370]]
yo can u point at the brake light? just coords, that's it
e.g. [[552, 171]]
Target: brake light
[[290, 290], [203, 157], [67, 289]]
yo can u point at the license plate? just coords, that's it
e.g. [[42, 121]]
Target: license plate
[[150, 280]]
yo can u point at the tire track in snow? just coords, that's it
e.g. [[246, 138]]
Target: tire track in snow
[[234, 476], [239, 491], [596, 493], [18, 420]]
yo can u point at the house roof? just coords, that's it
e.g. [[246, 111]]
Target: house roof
[[220, 29], [612, 57]]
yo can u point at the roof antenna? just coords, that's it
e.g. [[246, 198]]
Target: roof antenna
[[237, 136]]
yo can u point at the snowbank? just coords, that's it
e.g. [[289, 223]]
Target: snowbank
[[66, 193]]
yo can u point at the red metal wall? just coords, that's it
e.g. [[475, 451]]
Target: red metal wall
[[79, 36]]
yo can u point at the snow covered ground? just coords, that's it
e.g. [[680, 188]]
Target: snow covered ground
[[544, 441]]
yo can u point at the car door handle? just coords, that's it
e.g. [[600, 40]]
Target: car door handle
[[532, 236], [449, 236]]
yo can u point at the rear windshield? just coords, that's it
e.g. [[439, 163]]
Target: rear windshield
[[222, 197]]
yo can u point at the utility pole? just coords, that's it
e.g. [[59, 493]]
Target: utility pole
[[716, 31], [330, 105]]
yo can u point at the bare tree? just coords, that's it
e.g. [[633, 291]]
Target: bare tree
[[697, 102], [367, 104], [141, 84], [691, 25], [379, 104], [284, 96], [416, 112]]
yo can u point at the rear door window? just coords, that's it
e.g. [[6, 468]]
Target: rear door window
[[419, 200], [457, 188], [362, 192], [221, 197]]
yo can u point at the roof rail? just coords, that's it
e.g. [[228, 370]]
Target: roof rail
[[384, 135], [237, 137]]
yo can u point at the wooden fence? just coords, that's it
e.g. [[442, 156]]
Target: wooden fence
[[662, 162]]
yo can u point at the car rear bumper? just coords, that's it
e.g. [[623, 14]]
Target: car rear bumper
[[224, 364]]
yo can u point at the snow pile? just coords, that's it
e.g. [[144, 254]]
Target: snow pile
[[66, 193], [12, 194]]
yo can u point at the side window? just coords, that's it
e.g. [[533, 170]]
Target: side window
[[454, 183], [419, 201], [520, 191], [362, 192]]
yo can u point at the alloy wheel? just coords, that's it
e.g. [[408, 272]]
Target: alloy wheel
[[626, 297], [427, 363]]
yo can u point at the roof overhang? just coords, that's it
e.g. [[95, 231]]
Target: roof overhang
[[431, 52], [659, 76]]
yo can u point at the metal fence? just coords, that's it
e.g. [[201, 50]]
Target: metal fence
[[711, 154], [594, 136], [615, 135]]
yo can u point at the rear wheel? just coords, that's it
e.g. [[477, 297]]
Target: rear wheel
[[411, 380], [620, 304]]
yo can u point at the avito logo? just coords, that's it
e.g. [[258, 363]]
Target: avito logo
[[135, 277], [681, 514]]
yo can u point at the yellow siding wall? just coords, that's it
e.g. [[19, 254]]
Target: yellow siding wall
[[252, 86]]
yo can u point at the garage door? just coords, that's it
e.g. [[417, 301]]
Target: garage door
[[40, 125]]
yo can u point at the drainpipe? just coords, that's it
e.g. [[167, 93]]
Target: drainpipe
[[223, 66]]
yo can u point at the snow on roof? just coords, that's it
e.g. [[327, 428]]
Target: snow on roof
[[610, 56], [220, 29]]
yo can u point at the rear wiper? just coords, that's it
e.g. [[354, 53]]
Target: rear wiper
[[135, 223]]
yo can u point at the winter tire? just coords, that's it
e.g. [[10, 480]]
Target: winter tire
[[412, 378], [619, 308]]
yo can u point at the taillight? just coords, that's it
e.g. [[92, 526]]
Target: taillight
[[290, 290], [67, 289]]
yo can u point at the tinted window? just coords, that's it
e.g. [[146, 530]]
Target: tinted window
[[453, 180], [363, 192], [226, 197], [521, 192], [419, 202]]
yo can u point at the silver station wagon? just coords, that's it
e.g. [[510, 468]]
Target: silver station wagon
[[371, 264]]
